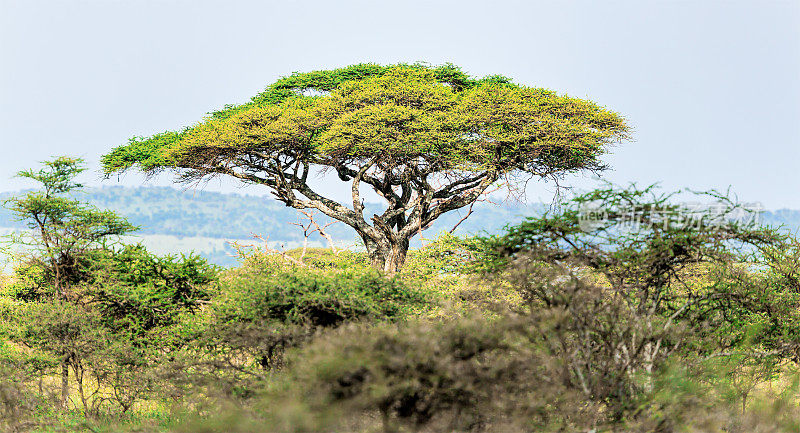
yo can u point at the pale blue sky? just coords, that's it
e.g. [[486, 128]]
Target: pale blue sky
[[712, 88]]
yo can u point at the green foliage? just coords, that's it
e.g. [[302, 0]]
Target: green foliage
[[626, 299], [113, 355], [137, 290], [446, 254], [663, 260], [146, 151], [315, 297], [57, 176], [615, 226], [98, 313], [60, 328], [476, 374], [63, 229], [133, 289], [64, 223], [266, 307], [398, 112], [451, 376], [17, 405], [325, 258], [31, 282]]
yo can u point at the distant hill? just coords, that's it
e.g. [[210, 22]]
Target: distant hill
[[174, 220], [193, 213]]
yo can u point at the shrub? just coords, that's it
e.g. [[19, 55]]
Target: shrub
[[263, 257], [315, 297], [523, 372], [446, 254], [17, 404], [259, 313], [325, 258], [453, 375], [138, 291]]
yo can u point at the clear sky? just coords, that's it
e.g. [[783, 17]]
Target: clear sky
[[711, 88]]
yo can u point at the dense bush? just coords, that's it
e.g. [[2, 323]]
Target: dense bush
[[621, 302], [446, 254], [485, 375], [710, 274], [325, 258], [138, 290], [468, 374], [62, 230], [262, 311], [315, 297]]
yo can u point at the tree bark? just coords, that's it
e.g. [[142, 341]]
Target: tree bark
[[78, 370], [386, 255], [65, 381]]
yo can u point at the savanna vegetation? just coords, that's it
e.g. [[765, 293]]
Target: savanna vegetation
[[619, 310]]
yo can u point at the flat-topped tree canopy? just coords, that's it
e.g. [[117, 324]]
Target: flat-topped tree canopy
[[427, 139]]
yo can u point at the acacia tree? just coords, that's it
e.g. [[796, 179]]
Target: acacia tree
[[428, 140]]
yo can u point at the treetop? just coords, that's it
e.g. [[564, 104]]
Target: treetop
[[433, 118], [57, 176]]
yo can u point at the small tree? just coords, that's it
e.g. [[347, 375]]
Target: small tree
[[63, 229], [427, 140], [624, 278]]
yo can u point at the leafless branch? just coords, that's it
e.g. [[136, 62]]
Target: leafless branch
[[244, 250]]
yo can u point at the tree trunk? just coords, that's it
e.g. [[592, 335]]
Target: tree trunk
[[386, 256], [397, 257], [65, 381], [78, 370]]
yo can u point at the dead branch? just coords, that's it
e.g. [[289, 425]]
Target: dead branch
[[484, 197], [319, 229], [244, 250]]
